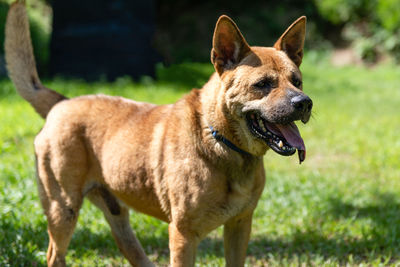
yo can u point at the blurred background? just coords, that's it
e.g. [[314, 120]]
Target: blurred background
[[103, 38]]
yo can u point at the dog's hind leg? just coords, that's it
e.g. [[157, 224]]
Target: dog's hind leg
[[61, 165], [61, 205], [117, 217]]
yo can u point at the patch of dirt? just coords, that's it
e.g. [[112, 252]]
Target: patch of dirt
[[345, 56]]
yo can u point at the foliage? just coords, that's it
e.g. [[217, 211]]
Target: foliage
[[372, 26], [388, 13], [339, 208], [40, 26], [188, 36], [343, 11]]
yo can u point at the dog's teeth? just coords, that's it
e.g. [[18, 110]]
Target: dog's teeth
[[280, 144]]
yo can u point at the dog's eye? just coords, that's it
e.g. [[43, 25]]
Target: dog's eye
[[264, 84], [296, 82]]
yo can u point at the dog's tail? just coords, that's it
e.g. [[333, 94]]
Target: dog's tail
[[21, 63]]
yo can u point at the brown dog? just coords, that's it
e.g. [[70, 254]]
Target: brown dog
[[195, 164]]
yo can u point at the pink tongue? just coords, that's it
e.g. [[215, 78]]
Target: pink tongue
[[292, 135]]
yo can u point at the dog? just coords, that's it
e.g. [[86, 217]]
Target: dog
[[195, 164]]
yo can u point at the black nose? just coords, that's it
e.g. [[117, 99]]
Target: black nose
[[302, 103]]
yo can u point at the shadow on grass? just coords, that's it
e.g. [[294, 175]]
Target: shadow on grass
[[103, 242], [381, 241], [21, 244], [385, 212], [85, 240], [26, 244]]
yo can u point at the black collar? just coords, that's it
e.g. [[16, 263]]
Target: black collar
[[228, 143]]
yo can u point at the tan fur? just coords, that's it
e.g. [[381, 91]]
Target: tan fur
[[21, 62], [159, 160]]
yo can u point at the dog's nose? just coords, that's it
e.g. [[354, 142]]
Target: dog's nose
[[302, 103]]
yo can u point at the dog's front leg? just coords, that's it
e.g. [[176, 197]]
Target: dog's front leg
[[183, 245], [236, 238]]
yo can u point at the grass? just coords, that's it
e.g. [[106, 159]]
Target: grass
[[340, 207]]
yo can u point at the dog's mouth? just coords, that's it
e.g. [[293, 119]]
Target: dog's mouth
[[284, 139]]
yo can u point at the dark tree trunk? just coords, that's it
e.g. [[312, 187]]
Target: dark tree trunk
[[102, 38]]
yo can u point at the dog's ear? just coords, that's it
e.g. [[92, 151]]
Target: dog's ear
[[229, 46], [292, 40]]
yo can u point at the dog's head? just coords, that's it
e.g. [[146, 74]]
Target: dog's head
[[263, 88]]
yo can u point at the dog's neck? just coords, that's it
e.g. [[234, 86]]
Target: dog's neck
[[213, 115], [212, 103]]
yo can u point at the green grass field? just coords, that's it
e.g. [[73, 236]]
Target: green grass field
[[340, 207]]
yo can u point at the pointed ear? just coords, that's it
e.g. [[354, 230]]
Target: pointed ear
[[229, 46], [292, 40]]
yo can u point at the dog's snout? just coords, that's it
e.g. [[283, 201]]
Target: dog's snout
[[302, 103]]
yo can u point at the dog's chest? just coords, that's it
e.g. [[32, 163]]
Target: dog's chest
[[218, 209], [239, 196], [243, 189]]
